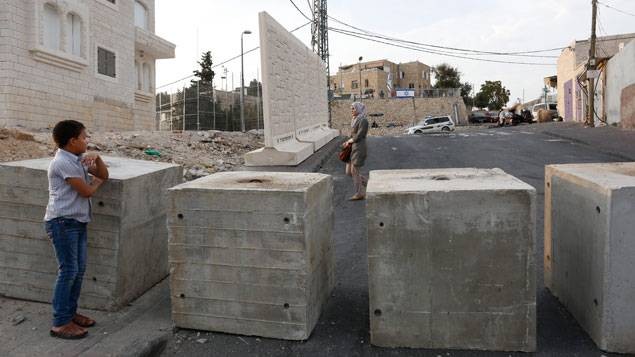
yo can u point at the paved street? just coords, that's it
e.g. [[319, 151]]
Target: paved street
[[522, 151]]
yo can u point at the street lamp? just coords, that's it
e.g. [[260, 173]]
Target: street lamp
[[359, 63], [242, 83]]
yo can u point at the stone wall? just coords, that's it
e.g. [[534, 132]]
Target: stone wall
[[620, 74], [399, 111]]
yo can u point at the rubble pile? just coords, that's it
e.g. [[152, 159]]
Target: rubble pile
[[199, 152]]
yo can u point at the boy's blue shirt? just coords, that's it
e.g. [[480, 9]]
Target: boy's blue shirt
[[64, 201]]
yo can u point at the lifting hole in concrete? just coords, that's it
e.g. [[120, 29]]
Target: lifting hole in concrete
[[595, 302], [286, 220], [440, 178], [180, 215], [381, 224], [254, 180], [377, 312], [100, 204], [94, 278], [548, 184], [597, 208], [286, 305], [182, 296]]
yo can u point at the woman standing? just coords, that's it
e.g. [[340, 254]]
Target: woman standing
[[359, 125]]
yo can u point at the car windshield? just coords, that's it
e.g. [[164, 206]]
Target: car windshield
[[553, 106]]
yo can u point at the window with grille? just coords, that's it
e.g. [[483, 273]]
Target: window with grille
[[106, 62], [354, 84]]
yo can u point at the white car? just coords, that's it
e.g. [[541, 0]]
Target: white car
[[432, 125]]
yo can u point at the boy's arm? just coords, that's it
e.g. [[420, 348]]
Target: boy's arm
[[96, 166], [84, 189]]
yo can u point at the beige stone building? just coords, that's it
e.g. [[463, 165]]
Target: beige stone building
[[377, 77], [88, 60], [571, 79]]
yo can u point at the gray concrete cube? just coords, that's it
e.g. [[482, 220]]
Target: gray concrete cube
[[451, 260], [127, 238], [251, 253], [590, 248]]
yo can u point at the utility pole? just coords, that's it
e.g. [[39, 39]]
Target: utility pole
[[320, 41], [591, 67]]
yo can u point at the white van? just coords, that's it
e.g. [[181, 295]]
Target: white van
[[552, 107]]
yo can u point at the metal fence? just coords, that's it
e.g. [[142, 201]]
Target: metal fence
[[199, 106]]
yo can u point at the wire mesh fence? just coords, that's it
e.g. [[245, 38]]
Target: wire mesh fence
[[200, 106]]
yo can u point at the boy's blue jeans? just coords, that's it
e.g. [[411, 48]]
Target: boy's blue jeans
[[70, 241]]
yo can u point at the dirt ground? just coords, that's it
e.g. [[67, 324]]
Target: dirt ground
[[200, 152]]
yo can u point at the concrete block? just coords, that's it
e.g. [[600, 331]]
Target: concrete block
[[590, 248], [127, 239], [451, 260], [251, 253]]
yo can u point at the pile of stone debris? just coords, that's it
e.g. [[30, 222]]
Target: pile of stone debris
[[199, 152]]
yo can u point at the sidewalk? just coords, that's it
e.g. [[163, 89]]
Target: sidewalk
[[141, 329], [613, 141]]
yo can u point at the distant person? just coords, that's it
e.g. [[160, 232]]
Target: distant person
[[359, 125], [67, 214], [382, 94], [501, 117], [374, 124]]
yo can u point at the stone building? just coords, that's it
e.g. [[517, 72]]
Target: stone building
[[376, 77], [88, 60], [571, 80]]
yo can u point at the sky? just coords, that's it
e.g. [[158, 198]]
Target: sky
[[195, 26]]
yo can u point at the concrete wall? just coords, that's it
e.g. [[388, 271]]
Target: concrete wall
[[40, 86], [620, 74], [451, 260], [399, 111], [252, 253], [127, 239], [589, 248]]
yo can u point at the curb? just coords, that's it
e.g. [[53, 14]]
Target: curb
[[150, 348]]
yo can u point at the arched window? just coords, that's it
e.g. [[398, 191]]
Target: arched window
[[140, 15], [51, 27], [74, 34], [137, 68], [147, 78]]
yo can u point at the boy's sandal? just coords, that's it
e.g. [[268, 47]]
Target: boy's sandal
[[83, 321], [356, 198], [69, 332]]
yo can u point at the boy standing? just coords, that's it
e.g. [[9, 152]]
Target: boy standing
[[67, 213]]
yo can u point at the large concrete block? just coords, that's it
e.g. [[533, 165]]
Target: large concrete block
[[251, 253], [590, 248], [451, 260], [295, 104], [127, 239]]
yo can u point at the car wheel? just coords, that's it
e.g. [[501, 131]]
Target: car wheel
[[445, 128], [418, 132]]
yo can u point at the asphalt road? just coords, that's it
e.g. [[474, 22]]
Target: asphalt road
[[343, 327]]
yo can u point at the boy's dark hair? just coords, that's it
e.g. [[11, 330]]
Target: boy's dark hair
[[65, 130]]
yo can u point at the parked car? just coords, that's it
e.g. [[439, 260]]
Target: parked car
[[478, 117], [432, 125], [551, 107]]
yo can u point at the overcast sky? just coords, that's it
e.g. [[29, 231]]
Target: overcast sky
[[486, 25]]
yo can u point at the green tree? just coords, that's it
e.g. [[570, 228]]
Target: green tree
[[450, 77], [494, 93], [205, 74], [447, 76], [480, 100], [254, 88]]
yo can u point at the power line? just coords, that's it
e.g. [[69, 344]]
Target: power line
[[226, 61], [446, 47], [300, 11], [616, 9], [435, 52]]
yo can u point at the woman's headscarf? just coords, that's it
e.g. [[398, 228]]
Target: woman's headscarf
[[360, 108]]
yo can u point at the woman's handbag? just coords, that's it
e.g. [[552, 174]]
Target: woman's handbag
[[345, 153]]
